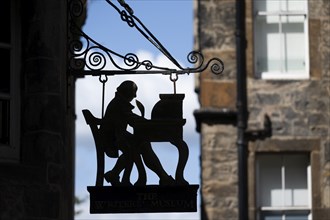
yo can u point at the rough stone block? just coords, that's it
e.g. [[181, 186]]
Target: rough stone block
[[41, 148], [282, 128], [55, 174], [43, 112], [300, 128], [327, 151], [315, 65], [318, 119], [319, 131], [42, 204], [218, 94], [216, 34], [42, 76]]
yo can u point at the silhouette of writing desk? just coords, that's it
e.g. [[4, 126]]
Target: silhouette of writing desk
[[166, 125]]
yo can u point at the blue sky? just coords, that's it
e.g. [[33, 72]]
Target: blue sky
[[171, 21]]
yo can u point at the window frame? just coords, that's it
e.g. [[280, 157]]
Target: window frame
[[283, 75], [11, 152], [283, 210]]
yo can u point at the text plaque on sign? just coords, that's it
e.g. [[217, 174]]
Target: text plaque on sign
[[139, 199]]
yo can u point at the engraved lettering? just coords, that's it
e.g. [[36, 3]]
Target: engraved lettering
[[147, 196], [100, 204]]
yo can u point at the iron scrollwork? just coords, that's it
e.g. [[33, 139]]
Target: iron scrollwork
[[89, 57]]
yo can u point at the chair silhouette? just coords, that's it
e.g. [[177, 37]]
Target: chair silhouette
[[94, 123]]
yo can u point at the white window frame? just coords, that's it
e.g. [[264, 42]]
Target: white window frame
[[282, 75], [11, 152], [284, 209]]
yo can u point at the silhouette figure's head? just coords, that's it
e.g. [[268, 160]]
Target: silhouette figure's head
[[127, 89]]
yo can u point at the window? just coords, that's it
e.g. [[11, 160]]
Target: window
[[284, 187], [281, 39], [9, 81]]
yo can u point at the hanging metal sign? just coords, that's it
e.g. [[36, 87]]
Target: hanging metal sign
[[113, 141], [165, 125]]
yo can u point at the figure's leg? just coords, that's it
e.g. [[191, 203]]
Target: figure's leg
[[124, 161], [152, 162], [142, 178], [136, 156], [128, 166], [112, 176]]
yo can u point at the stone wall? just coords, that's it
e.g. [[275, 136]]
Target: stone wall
[[299, 110], [216, 38], [40, 185], [219, 172]]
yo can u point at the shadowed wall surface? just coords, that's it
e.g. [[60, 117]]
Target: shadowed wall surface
[[39, 183]]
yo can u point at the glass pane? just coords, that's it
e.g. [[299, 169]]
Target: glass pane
[[270, 216], [273, 5], [294, 45], [294, 5], [278, 217], [4, 121], [296, 217], [284, 215], [5, 71], [293, 19], [280, 5], [296, 185], [270, 184], [268, 46], [5, 21]]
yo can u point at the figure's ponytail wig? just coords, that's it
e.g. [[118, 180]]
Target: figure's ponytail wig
[[126, 88]]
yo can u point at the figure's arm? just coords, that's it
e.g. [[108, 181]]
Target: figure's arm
[[133, 118], [140, 107]]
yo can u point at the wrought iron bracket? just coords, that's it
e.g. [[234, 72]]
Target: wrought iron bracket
[[86, 56]]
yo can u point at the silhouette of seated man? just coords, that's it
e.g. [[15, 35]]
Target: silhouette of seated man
[[114, 137]]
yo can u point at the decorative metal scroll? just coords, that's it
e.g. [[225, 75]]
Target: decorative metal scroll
[[88, 57]]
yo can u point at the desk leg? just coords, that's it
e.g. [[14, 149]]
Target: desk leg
[[183, 157]]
